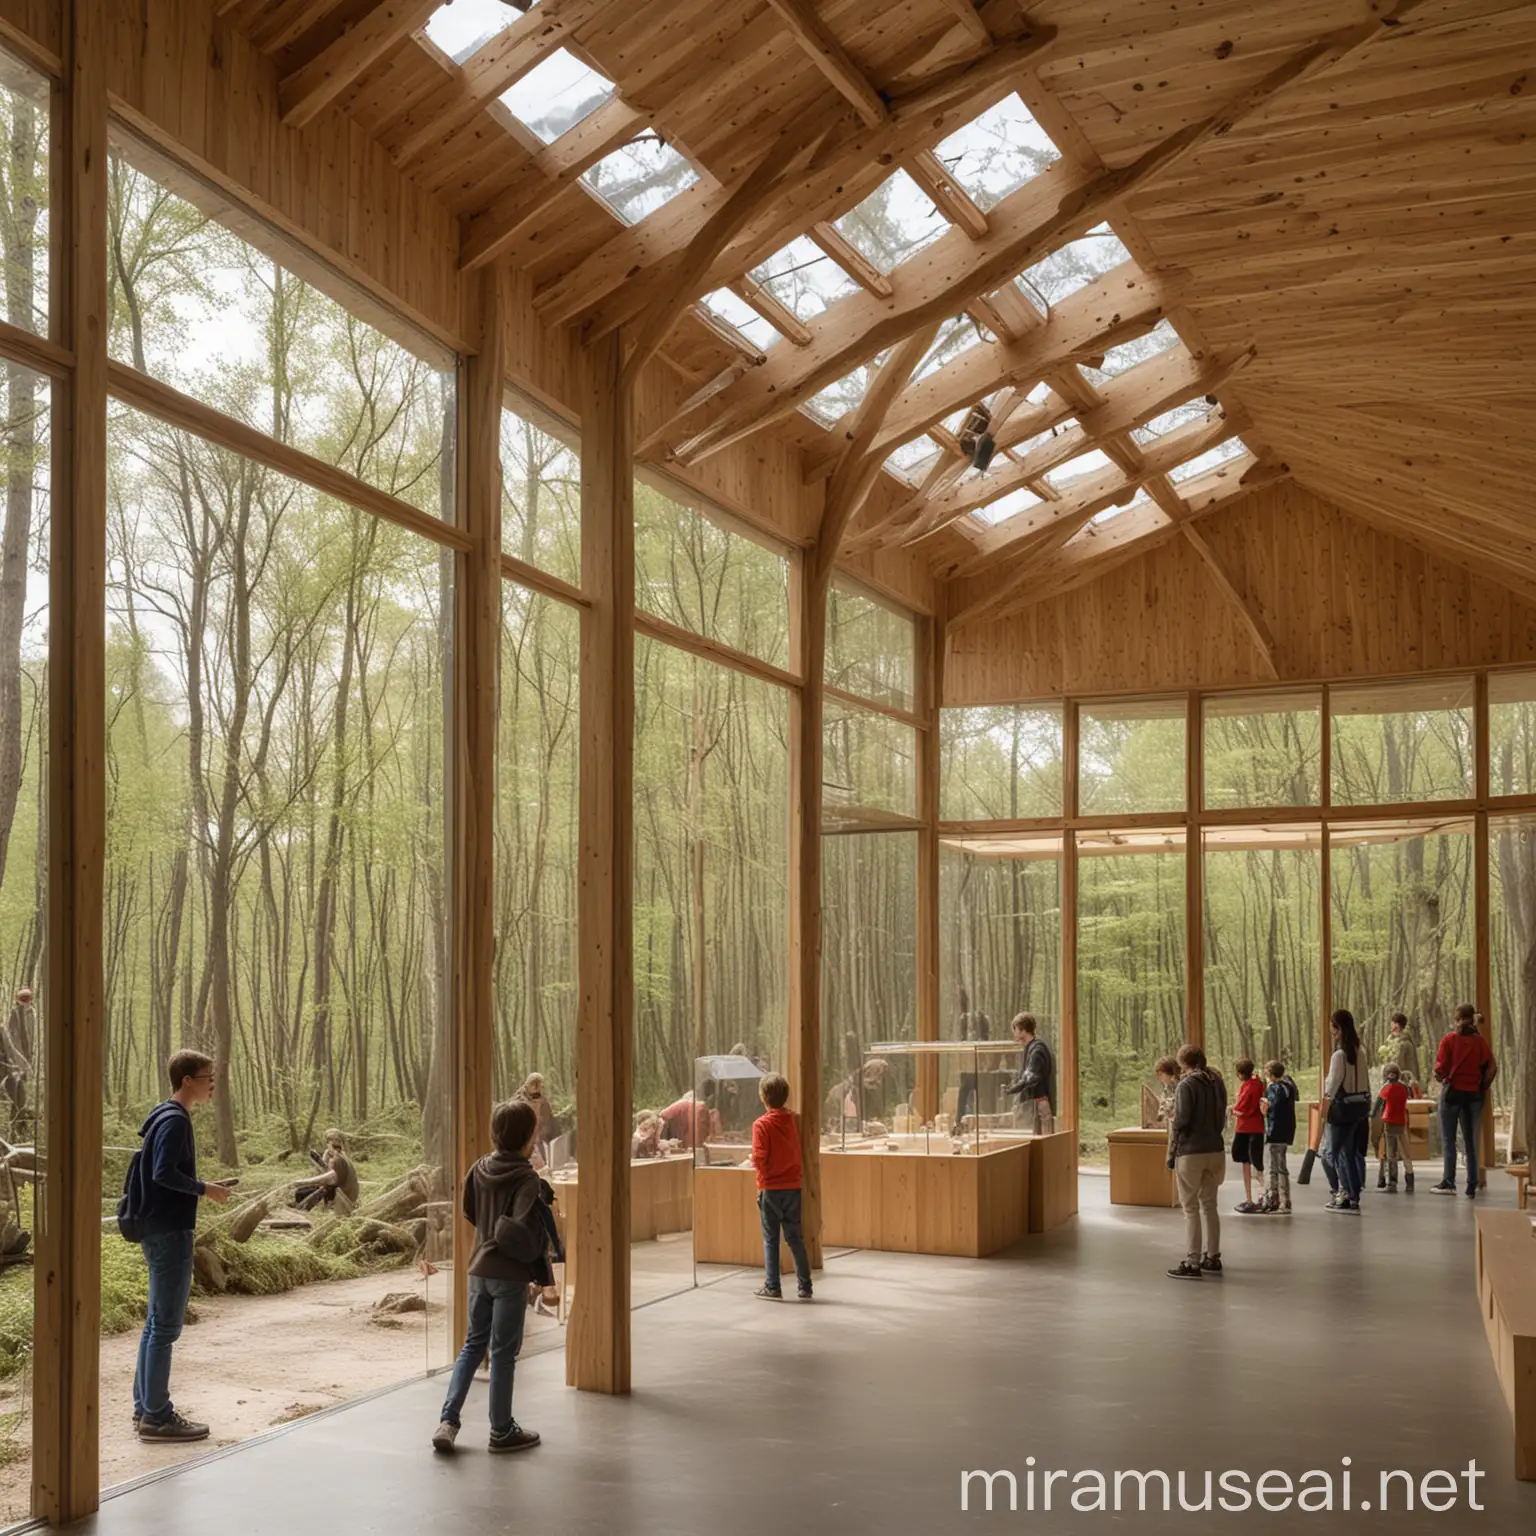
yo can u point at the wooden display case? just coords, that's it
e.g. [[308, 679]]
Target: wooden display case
[[1138, 1168], [660, 1201]]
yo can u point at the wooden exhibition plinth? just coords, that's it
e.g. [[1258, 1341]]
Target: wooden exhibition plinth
[[1506, 1293], [1138, 1168], [660, 1201], [726, 1225], [1419, 1113], [1052, 1180]]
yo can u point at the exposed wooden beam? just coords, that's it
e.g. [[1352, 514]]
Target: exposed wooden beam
[[1051, 210], [965, 14], [1232, 589], [1135, 398], [834, 243], [826, 53], [921, 117], [746, 198], [946, 194], [495, 67], [783, 319], [308, 90], [495, 228]]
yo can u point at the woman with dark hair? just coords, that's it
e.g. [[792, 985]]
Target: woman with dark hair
[[1465, 1065], [1348, 1094]]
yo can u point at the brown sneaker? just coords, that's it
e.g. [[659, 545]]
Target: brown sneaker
[[516, 1439], [176, 1428]]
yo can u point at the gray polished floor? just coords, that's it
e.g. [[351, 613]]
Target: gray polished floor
[[1330, 1336]]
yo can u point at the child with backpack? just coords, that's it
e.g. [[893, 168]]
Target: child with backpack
[[515, 1234], [1280, 1098]]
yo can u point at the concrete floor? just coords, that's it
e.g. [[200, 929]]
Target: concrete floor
[[1330, 1336]]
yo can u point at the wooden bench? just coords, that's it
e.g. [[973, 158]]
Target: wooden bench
[[1521, 1174], [1506, 1293]]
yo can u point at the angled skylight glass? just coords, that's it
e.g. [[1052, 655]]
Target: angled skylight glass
[[804, 279], [1212, 458], [913, 460], [1004, 507], [724, 305], [1140, 499], [996, 153], [462, 26], [1129, 353], [1089, 463], [1191, 410], [831, 403], [640, 177], [1074, 266], [893, 223], [556, 94], [955, 335]]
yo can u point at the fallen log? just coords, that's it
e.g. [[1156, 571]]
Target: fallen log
[[240, 1223]]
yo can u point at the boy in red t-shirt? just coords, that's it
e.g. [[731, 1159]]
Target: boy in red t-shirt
[[1393, 1104], [776, 1157], [1248, 1133]]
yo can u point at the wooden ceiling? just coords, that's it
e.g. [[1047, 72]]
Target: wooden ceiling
[[1332, 201]]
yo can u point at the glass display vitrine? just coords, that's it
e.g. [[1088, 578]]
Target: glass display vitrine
[[926, 1098], [726, 1102]]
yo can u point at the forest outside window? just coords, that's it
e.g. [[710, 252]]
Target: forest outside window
[[1263, 749], [232, 323], [1512, 733], [540, 491], [1000, 762], [1131, 756], [871, 647], [1512, 941], [710, 575], [25, 181], [1402, 742], [869, 767]]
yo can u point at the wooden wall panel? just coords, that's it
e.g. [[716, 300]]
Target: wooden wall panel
[[1342, 598]]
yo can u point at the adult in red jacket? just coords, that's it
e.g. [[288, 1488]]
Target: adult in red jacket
[[1465, 1066]]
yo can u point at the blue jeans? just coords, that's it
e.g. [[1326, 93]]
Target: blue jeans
[[1459, 1108], [1344, 1158], [496, 1312], [780, 1212], [169, 1257]]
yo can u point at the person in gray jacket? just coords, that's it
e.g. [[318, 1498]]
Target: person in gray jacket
[[1036, 1083], [1197, 1154], [509, 1205]]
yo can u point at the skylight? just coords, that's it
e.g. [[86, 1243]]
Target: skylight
[[1129, 353], [724, 305], [1074, 266], [912, 461], [1210, 459], [640, 177], [804, 279], [831, 403], [462, 26], [1007, 506], [1089, 463], [556, 94], [996, 153], [1191, 410], [955, 336], [1140, 499], [893, 223]]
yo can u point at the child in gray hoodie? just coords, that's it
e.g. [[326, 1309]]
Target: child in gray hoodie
[[514, 1235]]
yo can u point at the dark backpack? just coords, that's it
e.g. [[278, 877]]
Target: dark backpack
[[130, 1205]]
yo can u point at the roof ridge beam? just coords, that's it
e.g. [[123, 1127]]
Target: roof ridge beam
[[821, 46], [304, 93]]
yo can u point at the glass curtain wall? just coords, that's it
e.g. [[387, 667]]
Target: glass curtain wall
[[276, 883], [1512, 935]]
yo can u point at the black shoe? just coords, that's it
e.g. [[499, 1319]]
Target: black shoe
[[805, 1293], [1381, 1178], [1211, 1264], [516, 1439], [176, 1428], [768, 1293], [1392, 1187], [1247, 1208], [1184, 1270], [1442, 1188], [1472, 1194], [1408, 1183]]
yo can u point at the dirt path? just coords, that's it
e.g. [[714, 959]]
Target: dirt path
[[251, 1362]]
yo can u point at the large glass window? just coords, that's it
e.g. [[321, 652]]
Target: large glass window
[[276, 895], [868, 969], [1512, 733], [1397, 742], [1131, 756], [24, 196], [1130, 972], [999, 935], [540, 494], [1512, 1031], [869, 765], [24, 629], [1403, 926], [1263, 749], [1262, 948], [871, 647], [1000, 761], [233, 324], [713, 579]]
